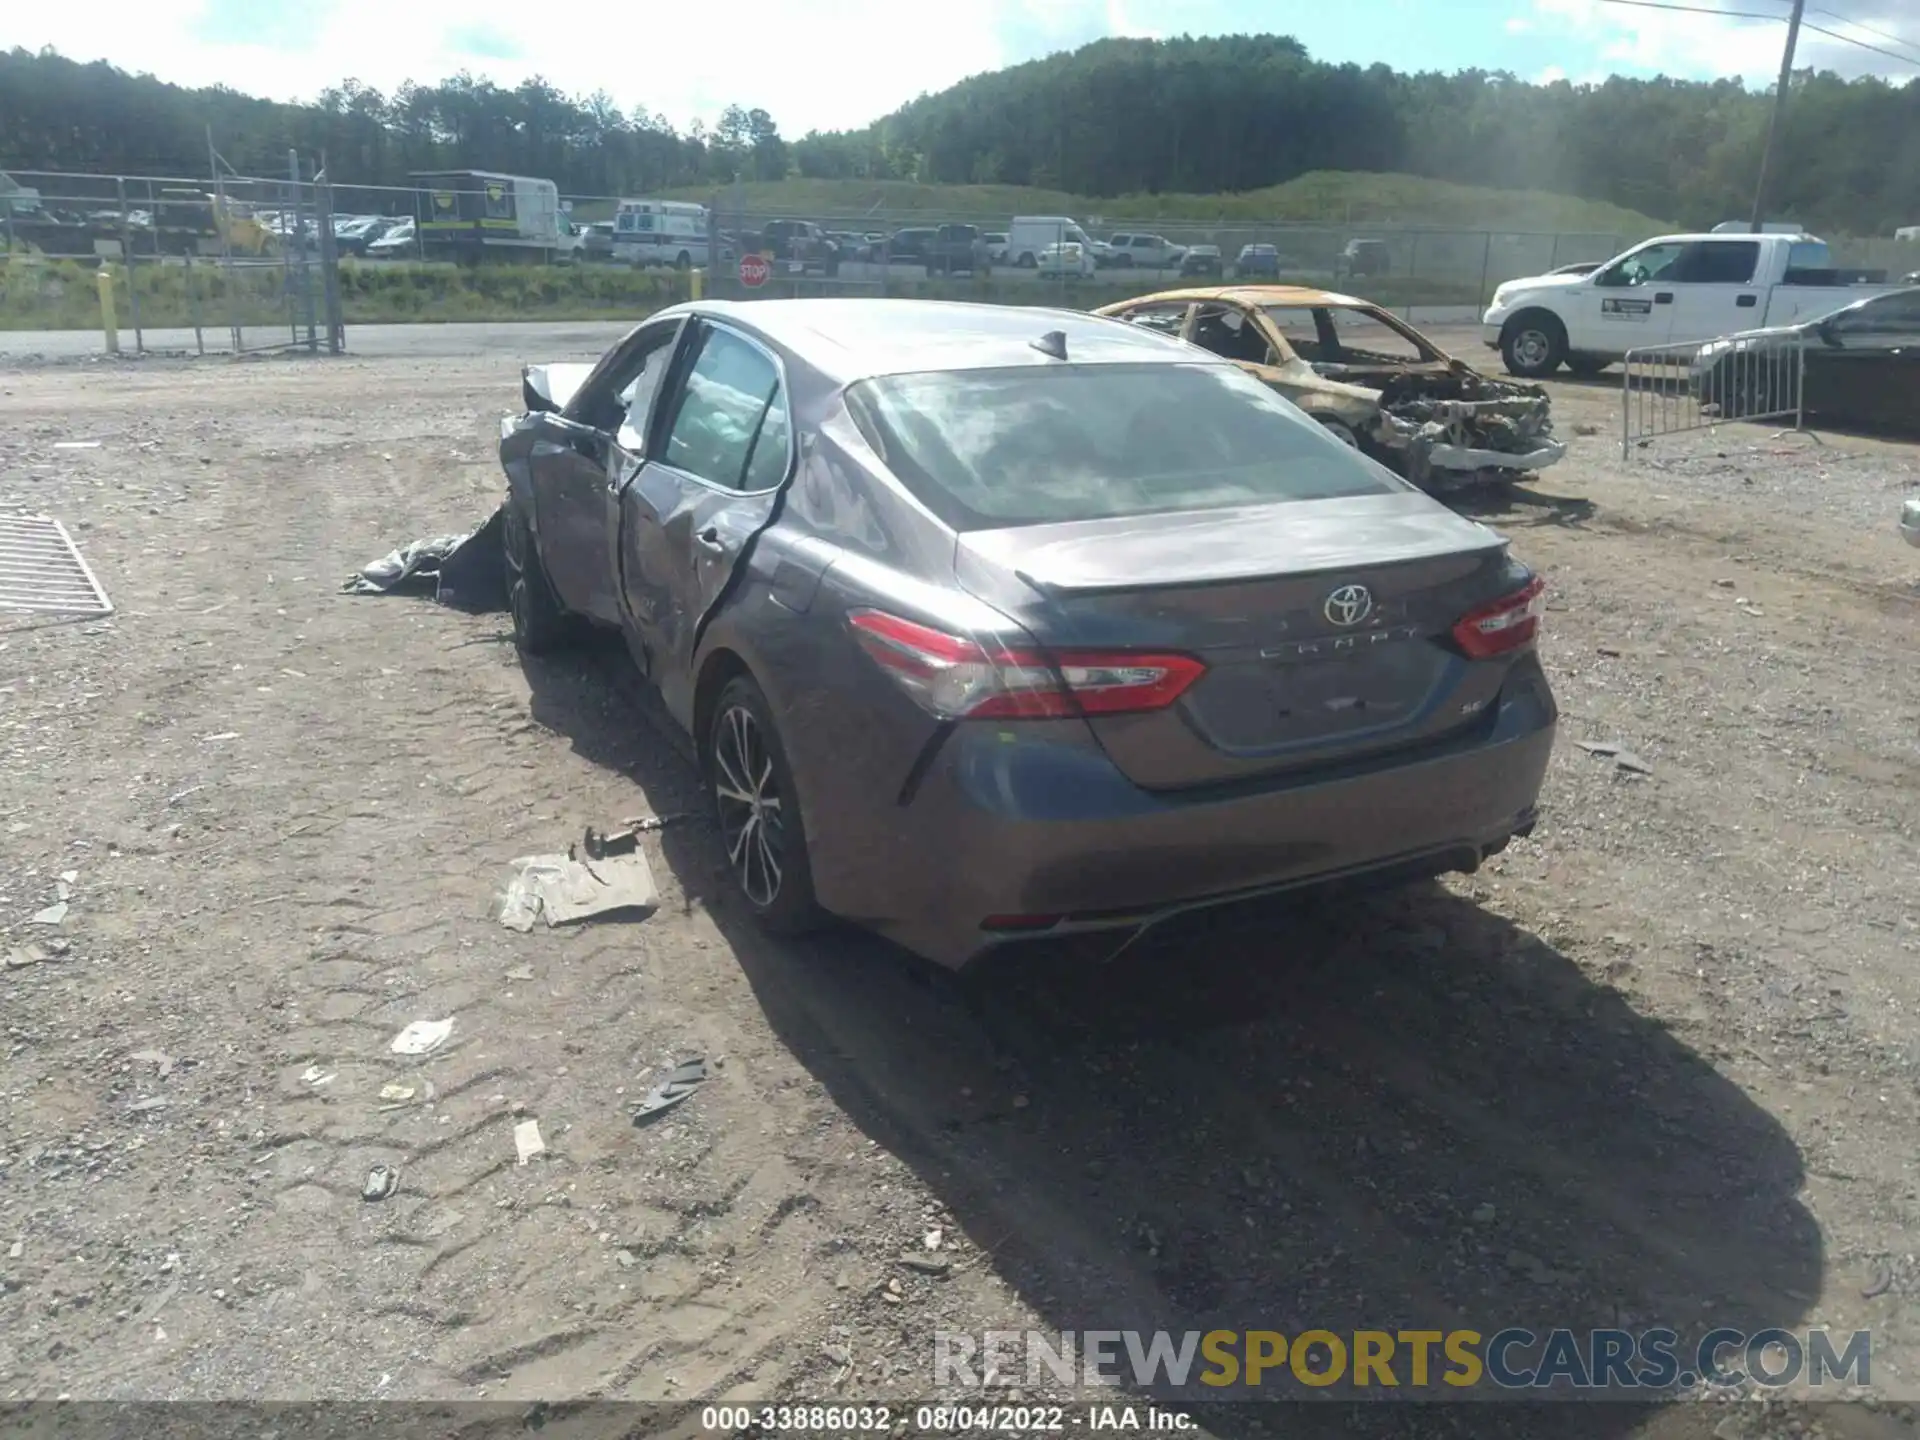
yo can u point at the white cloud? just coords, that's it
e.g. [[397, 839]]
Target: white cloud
[[1549, 75], [1518, 25], [1639, 40], [827, 64]]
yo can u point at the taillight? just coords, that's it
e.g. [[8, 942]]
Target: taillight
[[958, 679], [1504, 625]]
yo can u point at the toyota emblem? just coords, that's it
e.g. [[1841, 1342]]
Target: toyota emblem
[[1349, 605]]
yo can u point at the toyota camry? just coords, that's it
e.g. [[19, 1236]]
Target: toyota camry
[[992, 623]]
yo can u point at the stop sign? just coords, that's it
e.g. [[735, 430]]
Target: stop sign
[[754, 271]]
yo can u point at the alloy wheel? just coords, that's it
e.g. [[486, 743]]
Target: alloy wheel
[[747, 793]]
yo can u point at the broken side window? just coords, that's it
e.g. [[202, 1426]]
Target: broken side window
[[1229, 332], [1358, 335]]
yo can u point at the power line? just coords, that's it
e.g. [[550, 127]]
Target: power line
[[1695, 9], [1836, 35], [1862, 25], [1757, 15]]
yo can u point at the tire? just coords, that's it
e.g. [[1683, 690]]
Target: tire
[[540, 623], [765, 844], [1027, 261], [1533, 345], [683, 261], [1340, 431], [1585, 367]]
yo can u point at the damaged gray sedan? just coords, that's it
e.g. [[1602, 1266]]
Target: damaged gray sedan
[[993, 623], [1367, 376]]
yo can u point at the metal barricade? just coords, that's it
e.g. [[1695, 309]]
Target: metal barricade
[[1672, 389]]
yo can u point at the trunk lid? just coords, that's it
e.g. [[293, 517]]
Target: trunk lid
[[1301, 669]]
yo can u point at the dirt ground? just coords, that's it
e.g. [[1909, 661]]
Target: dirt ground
[[1656, 1065]]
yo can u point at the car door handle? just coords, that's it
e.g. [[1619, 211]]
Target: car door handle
[[1663, 297], [1747, 302], [709, 539]]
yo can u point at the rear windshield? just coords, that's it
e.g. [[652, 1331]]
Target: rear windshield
[[984, 449]]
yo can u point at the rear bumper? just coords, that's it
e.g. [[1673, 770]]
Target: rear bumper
[[1046, 832]]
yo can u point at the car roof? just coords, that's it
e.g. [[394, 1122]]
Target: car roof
[[854, 339], [1256, 295]]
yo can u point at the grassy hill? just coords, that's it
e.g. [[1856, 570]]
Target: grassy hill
[[1323, 196]]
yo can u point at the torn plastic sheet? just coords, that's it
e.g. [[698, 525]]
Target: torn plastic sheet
[[562, 889], [466, 571]]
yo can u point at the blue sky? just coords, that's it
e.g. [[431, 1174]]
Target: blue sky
[[839, 63]]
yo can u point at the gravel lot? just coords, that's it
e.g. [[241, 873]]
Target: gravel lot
[[1655, 1065]]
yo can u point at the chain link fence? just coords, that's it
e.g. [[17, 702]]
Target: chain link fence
[[230, 264], [237, 263]]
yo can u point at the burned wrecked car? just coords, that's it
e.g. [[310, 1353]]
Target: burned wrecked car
[[1370, 378]]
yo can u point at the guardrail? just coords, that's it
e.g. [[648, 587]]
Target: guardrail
[[1672, 389]]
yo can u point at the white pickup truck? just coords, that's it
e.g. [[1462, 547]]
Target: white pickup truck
[[1673, 289]]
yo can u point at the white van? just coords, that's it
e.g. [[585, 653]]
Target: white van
[[661, 232], [1030, 235]]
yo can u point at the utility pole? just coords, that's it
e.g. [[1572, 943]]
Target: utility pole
[[1773, 122]]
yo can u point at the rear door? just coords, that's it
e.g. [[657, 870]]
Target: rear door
[[1715, 290], [720, 447]]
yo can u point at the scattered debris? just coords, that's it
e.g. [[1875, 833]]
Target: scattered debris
[[1623, 758], [466, 571], [152, 1102], [682, 1081], [396, 1092], [521, 973], [936, 1265], [526, 1140], [1483, 1214], [423, 1037], [313, 1075], [933, 1238], [382, 1181], [1881, 1282], [625, 1259], [16, 1250], [618, 842], [157, 1058], [1724, 584], [76, 444], [22, 956], [654, 822], [55, 914], [563, 889]]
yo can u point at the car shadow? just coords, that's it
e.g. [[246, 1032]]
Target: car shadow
[[1349, 1111], [1518, 503]]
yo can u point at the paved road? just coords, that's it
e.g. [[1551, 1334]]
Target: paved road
[[1449, 326]]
